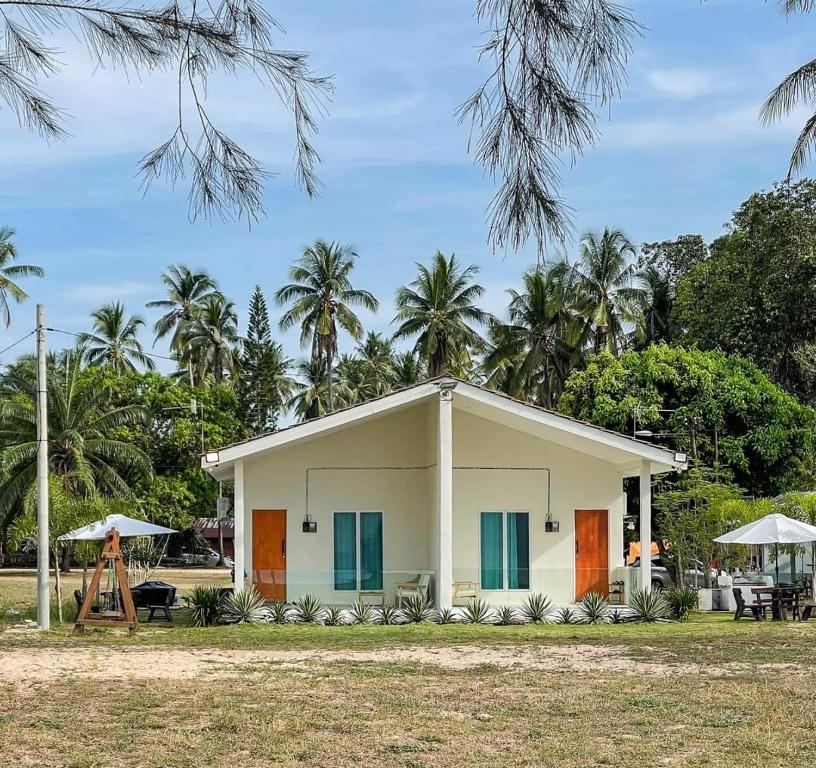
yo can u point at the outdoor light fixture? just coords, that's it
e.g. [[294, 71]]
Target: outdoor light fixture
[[446, 389], [644, 433], [680, 457], [550, 525], [212, 457], [309, 525]]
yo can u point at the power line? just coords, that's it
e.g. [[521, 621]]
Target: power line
[[82, 335], [21, 339]]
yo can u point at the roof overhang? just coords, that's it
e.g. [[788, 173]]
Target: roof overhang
[[624, 452]]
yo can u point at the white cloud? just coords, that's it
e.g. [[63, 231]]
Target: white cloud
[[111, 291], [684, 83]]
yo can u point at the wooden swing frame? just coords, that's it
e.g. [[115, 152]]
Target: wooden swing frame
[[111, 551]]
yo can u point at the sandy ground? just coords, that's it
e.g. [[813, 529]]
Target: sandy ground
[[30, 667]]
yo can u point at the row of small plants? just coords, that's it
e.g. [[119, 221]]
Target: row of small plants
[[209, 607]]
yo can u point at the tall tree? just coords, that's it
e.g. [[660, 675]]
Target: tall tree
[[606, 295], [654, 318], [193, 40], [753, 296], [439, 308], [114, 341], [212, 339], [9, 273], [85, 454], [265, 384], [321, 295], [311, 395], [534, 353], [408, 370], [551, 65], [186, 293]]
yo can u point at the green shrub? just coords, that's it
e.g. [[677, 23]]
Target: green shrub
[[649, 605], [244, 607], [308, 610], [445, 616], [506, 615], [417, 610], [536, 609], [334, 616], [476, 612], [279, 612], [618, 616], [595, 608], [389, 615], [361, 613], [205, 605], [682, 602], [566, 615]]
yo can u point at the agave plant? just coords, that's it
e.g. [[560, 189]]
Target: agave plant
[[476, 612], [205, 604], [333, 616], [389, 615], [566, 615], [361, 613], [617, 616], [308, 610], [649, 605], [445, 616], [279, 612], [506, 615], [536, 609], [682, 602], [246, 606], [417, 609], [595, 608]]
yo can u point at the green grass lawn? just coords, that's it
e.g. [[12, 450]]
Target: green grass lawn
[[352, 696]]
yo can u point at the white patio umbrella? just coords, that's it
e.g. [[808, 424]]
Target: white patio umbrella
[[773, 529], [127, 526]]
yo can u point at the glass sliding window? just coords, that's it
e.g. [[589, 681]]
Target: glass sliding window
[[505, 550], [358, 551], [518, 550], [492, 566], [345, 550], [371, 550]]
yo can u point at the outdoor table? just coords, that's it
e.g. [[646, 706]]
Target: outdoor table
[[780, 598]]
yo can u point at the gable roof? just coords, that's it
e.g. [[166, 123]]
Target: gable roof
[[471, 397]]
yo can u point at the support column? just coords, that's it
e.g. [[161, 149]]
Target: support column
[[444, 486], [239, 558], [645, 525]]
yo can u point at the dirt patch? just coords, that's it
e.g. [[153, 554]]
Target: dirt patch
[[32, 666]]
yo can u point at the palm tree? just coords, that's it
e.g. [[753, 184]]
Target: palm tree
[[437, 308], [606, 296], [408, 370], [186, 292], [10, 272], [376, 357], [212, 339], [113, 342], [654, 320], [311, 398], [83, 455], [321, 296], [533, 354]]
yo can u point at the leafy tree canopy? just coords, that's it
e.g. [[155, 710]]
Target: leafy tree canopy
[[705, 403]]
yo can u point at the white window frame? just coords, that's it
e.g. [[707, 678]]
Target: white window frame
[[504, 513], [357, 547]]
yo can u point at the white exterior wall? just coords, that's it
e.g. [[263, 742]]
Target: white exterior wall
[[408, 499], [277, 480], [578, 482]]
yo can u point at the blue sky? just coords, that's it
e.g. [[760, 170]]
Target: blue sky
[[677, 153]]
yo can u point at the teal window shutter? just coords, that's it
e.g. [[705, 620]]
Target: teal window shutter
[[518, 550], [371, 551], [492, 565], [345, 550]]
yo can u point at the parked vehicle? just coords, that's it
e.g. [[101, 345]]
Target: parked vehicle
[[661, 578], [206, 557]]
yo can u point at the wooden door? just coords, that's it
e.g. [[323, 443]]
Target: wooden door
[[591, 552], [269, 552]]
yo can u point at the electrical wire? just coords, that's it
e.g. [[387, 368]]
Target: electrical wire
[[14, 344], [82, 335]]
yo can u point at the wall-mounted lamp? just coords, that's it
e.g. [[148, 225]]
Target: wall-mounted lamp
[[309, 525], [680, 457], [550, 525], [446, 389], [212, 457]]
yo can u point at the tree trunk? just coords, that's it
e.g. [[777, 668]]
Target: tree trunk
[[65, 559], [329, 403], [220, 543]]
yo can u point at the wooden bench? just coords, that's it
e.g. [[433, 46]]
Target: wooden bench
[[808, 609], [757, 608]]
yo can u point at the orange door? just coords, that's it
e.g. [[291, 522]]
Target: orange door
[[591, 552], [269, 552]]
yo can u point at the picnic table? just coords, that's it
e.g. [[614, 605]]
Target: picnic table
[[779, 599]]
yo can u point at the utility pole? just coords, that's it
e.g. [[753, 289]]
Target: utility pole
[[43, 544]]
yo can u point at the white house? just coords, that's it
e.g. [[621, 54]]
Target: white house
[[444, 479]]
